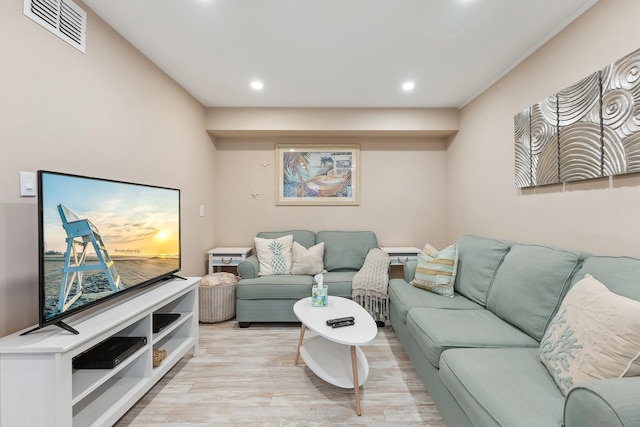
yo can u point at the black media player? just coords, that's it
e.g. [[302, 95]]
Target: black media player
[[162, 320], [109, 353]]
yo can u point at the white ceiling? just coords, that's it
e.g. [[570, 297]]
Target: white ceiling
[[337, 53]]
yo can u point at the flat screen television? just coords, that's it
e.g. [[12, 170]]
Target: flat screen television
[[100, 238]]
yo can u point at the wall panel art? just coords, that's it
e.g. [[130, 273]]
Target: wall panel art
[[580, 152], [590, 129]]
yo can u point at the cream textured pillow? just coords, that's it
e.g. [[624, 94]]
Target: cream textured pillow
[[274, 255], [218, 279], [307, 261], [595, 334], [436, 271]]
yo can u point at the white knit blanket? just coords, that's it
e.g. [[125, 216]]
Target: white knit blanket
[[369, 285]]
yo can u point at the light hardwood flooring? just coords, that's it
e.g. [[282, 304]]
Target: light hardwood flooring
[[247, 377]]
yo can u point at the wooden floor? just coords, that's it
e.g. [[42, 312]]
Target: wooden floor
[[246, 377]]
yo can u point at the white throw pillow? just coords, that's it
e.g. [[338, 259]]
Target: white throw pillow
[[274, 255], [307, 261], [594, 335]]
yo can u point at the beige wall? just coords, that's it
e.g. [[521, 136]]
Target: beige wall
[[402, 171], [109, 113], [402, 192], [598, 215]]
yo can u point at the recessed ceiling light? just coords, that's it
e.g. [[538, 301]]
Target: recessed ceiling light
[[257, 85], [408, 86]]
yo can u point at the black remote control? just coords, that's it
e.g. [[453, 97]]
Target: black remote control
[[338, 320], [344, 323]]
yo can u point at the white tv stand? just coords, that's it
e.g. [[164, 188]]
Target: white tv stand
[[39, 387]]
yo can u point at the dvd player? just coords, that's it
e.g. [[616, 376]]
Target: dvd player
[[162, 320], [109, 353]]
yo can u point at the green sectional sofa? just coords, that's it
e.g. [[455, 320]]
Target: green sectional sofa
[[271, 298], [477, 353]]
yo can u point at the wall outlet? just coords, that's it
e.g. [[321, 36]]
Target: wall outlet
[[201, 210]]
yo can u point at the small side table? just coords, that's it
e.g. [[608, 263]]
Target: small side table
[[401, 254], [227, 257]]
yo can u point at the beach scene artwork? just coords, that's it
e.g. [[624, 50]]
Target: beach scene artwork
[[137, 225], [317, 175]]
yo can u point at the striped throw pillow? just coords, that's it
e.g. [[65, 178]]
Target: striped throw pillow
[[436, 271]]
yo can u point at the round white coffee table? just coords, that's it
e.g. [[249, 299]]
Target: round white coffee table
[[328, 353]]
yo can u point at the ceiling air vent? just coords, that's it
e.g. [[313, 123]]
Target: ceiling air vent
[[63, 18]]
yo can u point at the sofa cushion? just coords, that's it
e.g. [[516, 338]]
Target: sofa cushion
[[619, 274], [274, 255], [346, 250], [436, 270], [403, 297], [275, 287], [436, 330], [338, 282], [594, 335], [502, 386], [409, 270], [305, 237], [478, 260], [307, 260], [529, 285]]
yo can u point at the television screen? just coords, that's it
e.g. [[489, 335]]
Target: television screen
[[100, 238]]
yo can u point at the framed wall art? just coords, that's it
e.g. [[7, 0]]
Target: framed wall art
[[590, 129], [317, 174]]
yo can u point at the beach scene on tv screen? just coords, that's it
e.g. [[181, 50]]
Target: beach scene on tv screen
[[102, 237]]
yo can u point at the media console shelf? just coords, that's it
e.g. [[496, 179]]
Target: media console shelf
[[39, 387]]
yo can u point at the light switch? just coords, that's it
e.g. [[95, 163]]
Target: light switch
[[201, 210], [27, 184]]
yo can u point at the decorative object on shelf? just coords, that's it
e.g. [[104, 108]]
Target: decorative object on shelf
[[588, 130], [217, 297], [158, 356], [254, 194], [317, 174]]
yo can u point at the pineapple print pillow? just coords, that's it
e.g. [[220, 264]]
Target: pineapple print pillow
[[274, 255]]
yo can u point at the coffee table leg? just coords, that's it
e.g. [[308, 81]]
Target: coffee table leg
[[356, 383], [302, 329]]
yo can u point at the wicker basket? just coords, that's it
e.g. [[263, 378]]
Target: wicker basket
[[217, 297], [158, 356]]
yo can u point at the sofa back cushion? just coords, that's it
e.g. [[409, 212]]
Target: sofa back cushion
[[478, 261], [346, 250], [530, 284], [621, 275], [305, 237]]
